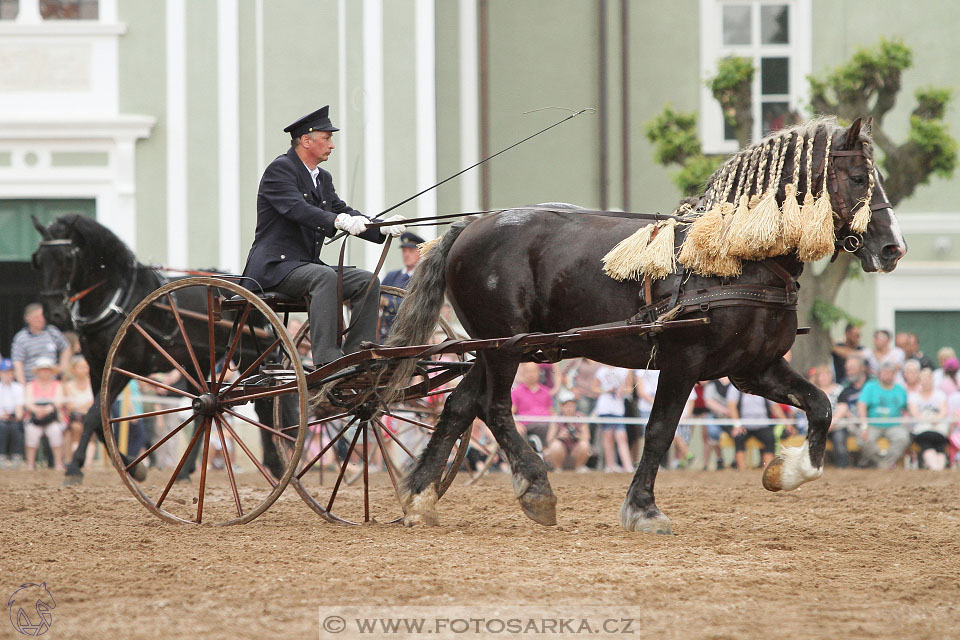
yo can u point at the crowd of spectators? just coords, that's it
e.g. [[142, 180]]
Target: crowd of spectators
[[44, 387], [892, 404]]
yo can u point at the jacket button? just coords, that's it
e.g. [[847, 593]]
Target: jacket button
[[304, 195], [283, 257]]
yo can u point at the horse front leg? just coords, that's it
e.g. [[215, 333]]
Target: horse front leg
[[639, 511], [92, 423], [793, 466], [530, 483], [419, 488]]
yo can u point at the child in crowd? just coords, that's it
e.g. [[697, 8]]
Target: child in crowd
[[43, 401], [11, 417], [568, 442]]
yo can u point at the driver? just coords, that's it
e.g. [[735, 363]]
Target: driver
[[297, 207]]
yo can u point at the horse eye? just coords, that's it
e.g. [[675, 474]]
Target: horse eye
[[858, 180]]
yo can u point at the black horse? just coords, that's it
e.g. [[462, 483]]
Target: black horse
[[527, 270], [82, 260]]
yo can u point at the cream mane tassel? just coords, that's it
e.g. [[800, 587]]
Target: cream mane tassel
[[703, 250], [817, 239], [862, 217], [792, 215], [425, 247], [659, 258], [622, 262], [753, 236]]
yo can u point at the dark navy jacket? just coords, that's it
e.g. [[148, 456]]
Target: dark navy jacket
[[293, 218]]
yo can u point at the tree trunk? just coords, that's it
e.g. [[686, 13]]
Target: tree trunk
[[814, 349]]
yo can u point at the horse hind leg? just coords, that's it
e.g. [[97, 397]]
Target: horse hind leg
[[419, 487], [530, 483], [793, 466]]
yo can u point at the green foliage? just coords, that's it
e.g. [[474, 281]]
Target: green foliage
[[692, 178], [675, 136], [941, 149], [869, 70], [827, 314], [732, 73], [731, 87], [932, 102]]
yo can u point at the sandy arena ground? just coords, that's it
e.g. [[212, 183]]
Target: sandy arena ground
[[858, 554]]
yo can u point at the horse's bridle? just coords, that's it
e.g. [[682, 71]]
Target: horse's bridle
[[853, 241], [71, 301]]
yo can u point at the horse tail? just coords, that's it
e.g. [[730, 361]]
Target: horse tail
[[421, 305]]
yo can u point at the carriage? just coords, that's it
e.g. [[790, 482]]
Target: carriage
[[708, 291], [344, 414]]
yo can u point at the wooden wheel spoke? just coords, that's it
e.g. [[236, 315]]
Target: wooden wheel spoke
[[366, 476], [388, 463], [423, 425], [233, 344], [258, 424], [168, 357], [150, 414], [203, 468], [160, 442], [325, 448], [229, 465], [211, 323], [187, 342], [395, 439], [246, 450], [155, 383], [256, 363], [343, 468], [176, 472]]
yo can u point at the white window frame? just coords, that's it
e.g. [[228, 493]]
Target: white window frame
[[712, 49]]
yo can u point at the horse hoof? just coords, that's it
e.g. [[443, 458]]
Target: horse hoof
[[772, 476], [540, 508], [183, 478], [421, 519], [139, 473], [70, 480], [653, 521]]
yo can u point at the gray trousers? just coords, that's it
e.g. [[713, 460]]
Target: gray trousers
[[320, 283], [899, 439]]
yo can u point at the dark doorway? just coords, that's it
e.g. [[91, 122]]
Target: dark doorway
[[19, 283]]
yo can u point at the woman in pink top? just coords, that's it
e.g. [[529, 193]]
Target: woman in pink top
[[530, 398], [43, 402]]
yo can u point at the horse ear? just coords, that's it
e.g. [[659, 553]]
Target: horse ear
[[853, 134], [868, 126], [42, 230]]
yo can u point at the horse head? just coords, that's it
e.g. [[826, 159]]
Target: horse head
[[866, 224], [57, 258]]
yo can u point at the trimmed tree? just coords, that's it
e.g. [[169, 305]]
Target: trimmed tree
[[865, 86]]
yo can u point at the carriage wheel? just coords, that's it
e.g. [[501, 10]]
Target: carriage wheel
[[355, 455], [184, 327]]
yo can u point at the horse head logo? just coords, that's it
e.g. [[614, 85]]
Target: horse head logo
[[30, 608]]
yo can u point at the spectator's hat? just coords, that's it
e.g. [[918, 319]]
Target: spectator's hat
[[951, 364], [6, 364], [564, 396], [319, 120], [44, 363], [410, 240]]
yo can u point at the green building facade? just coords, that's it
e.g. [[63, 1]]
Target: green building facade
[[158, 116]]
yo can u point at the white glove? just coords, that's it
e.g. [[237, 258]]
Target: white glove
[[354, 225], [395, 230]]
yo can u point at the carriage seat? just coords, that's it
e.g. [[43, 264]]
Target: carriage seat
[[279, 302]]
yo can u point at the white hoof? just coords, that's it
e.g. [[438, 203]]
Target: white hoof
[[632, 519], [790, 469], [420, 508]]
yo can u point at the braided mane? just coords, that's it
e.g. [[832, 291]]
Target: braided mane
[[766, 200]]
